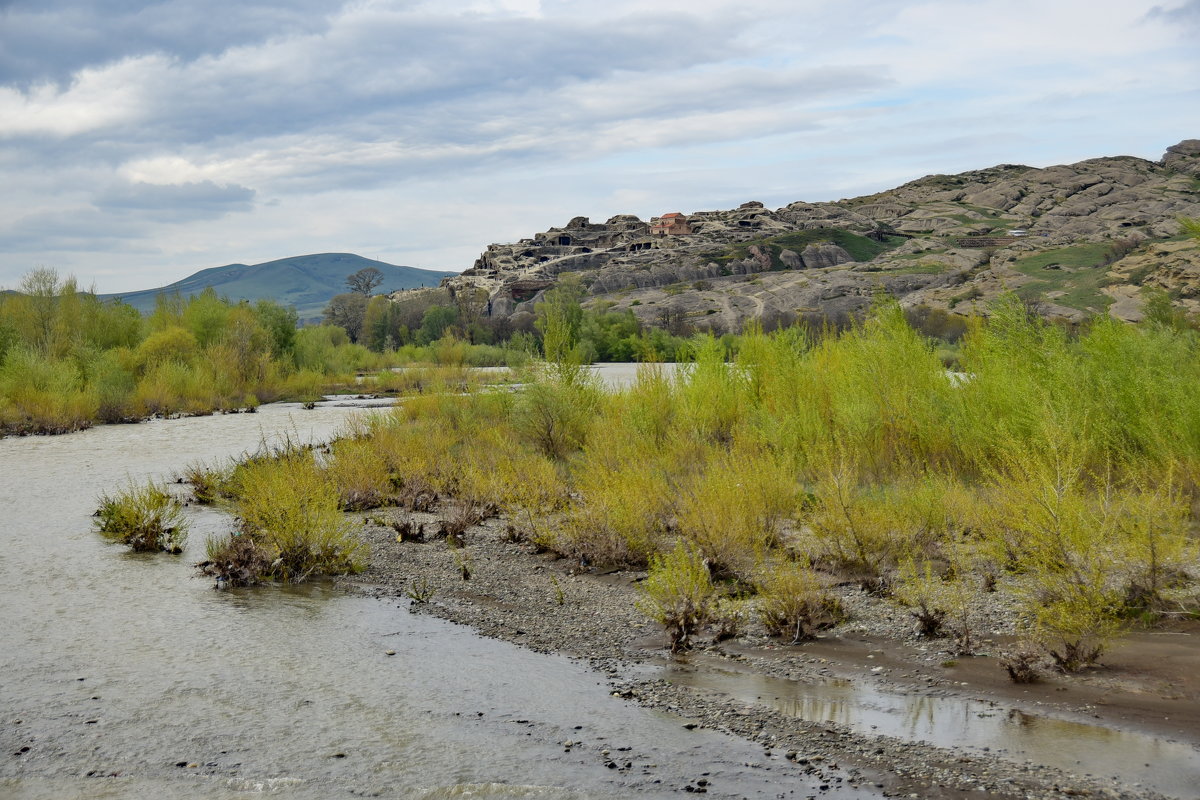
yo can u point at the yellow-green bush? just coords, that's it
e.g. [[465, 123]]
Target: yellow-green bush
[[794, 602], [679, 594], [735, 509], [43, 396], [146, 517], [291, 508], [625, 502], [360, 474]]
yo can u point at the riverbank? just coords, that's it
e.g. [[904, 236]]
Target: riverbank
[[1143, 702]]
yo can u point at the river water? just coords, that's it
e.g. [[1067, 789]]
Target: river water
[[115, 669]]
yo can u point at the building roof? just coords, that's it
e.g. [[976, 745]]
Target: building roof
[[672, 214]]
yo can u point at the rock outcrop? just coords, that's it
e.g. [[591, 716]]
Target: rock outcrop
[[948, 241]]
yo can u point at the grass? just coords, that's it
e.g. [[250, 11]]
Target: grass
[[860, 248], [1081, 275]]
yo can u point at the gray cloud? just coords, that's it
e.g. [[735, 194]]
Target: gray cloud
[[1188, 14], [176, 202], [53, 39], [69, 230]]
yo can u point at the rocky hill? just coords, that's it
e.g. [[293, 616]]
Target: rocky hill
[[1077, 239]]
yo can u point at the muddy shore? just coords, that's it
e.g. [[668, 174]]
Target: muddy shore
[[1148, 685]]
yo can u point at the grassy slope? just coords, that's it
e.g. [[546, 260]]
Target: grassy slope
[[860, 248], [1080, 273], [306, 282]]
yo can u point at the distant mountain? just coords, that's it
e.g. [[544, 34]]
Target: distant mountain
[[306, 282]]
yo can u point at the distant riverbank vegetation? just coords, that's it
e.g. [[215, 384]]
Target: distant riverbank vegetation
[[1058, 469], [69, 360], [440, 326]]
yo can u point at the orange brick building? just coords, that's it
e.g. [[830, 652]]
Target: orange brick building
[[673, 224]]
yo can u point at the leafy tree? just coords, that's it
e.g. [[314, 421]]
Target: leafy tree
[[435, 322], [347, 311], [470, 302], [41, 287], [364, 281], [383, 329], [206, 316], [560, 317], [280, 323], [168, 311]]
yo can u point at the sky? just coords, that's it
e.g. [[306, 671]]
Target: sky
[[141, 141]]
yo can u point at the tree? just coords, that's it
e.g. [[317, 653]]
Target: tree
[[41, 285], [382, 329], [559, 319], [435, 322], [347, 312], [364, 281], [280, 322]]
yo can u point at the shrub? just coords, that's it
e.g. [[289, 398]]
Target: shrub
[[729, 618], [1064, 541], [679, 594], [865, 528], [1021, 663], [794, 602], [146, 518], [735, 509], [925, 595], [43, 396], [360, 474], [554, 416], [624, 505], [209, 484], [292, 510], [236, 560]]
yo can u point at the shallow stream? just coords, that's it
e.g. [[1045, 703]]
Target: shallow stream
[[115, 669]]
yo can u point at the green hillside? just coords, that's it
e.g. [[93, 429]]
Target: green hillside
[[306, 282]]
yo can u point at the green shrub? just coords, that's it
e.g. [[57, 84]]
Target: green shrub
[[734, 510], [555, 416], [289, 507], [360, 474], [146, 518], [210, 484], [679, 594], [794, 602]]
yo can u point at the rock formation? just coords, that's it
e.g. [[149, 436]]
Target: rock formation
[[1074, 237]]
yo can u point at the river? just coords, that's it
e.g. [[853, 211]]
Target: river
[[126, 675]]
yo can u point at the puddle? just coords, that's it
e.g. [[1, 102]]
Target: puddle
[[1171, 768]]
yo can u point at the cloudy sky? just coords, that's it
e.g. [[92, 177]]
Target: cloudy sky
[[141, 141]]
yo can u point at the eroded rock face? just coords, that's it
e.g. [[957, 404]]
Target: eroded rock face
[[1183, 157], [944, 231], [821, 256]]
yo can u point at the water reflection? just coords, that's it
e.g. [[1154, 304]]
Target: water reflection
[[1169, 767]]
